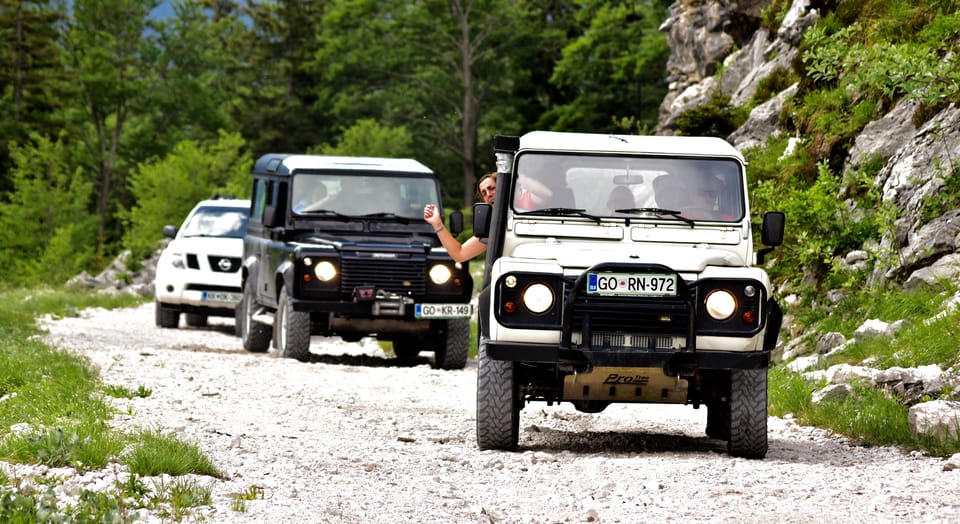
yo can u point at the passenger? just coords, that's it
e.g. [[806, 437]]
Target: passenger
[[620, 198], [473, 246]]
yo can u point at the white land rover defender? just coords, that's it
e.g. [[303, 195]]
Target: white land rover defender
[[622, 269]]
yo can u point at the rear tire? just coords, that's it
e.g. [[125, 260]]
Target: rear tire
[[452, 345], [498, 403], [166, 317], [256, 336], [748, 413], [196, 320], [292, 330]]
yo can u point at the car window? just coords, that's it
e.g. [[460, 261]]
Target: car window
[[227, 222]]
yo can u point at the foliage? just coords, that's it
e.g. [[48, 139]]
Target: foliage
[[369, 138], [46, 233], [618, 50], [198, 171], [713, 118]]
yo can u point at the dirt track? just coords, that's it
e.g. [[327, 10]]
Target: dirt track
[[352, 437]]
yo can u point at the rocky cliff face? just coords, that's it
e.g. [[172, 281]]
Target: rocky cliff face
[[721, 46]]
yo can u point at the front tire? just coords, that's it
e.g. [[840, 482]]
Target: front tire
[[452, 345], [498, 403], [166, 317], [748, 413], [292, 330], [256, 336], [196, 320]]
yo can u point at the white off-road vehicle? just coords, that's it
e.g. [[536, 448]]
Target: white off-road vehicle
[[198, 272], [622, 269]]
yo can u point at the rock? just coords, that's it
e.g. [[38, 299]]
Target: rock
[[872, 328], [830, 341], [831, 393], [937, 418]]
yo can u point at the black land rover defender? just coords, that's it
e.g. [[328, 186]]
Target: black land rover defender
[[337, 246]]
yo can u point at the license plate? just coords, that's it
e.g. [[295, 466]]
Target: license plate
[[443, 310], [630, 285], [220, 296]]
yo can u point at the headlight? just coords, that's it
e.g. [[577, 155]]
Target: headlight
[[325, 271], [440, 274], [177, 262], [721, 304], [537, 298]]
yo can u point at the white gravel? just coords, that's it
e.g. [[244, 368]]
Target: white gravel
[[352, 437]]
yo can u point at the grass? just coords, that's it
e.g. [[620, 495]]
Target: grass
[[870, 415], [53, 412]]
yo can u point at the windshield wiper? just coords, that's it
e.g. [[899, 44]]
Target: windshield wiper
[[403, 220], [657, 211], [327, 212], [561, 211]]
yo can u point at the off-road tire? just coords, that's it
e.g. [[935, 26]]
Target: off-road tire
[[748, 413], [256, 336], [195, 320], [166, 317], [407, 349], [498, 405], [238, 321], [452, 345], [292, 330]]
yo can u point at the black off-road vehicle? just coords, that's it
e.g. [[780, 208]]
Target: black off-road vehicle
[[337, 246]]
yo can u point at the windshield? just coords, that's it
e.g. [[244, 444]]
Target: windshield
[[228, 222], [362, 194], [608, 186]]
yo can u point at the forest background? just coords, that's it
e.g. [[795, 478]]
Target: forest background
[[119, 115]]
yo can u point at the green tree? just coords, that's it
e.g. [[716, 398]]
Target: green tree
[[31, 73], [46, 232], [368, 138], [432, 67], [107, 53], [275, 100], [166, 190], [614, 72]]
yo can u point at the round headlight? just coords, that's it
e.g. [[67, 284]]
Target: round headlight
[[721, 304], [325, 271], [440, 274], [538, 298]]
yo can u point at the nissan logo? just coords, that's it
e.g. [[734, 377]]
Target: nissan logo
[[224, 264]]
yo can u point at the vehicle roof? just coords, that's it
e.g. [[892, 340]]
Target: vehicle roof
[[280, 163], [224, 202], [611, 143]]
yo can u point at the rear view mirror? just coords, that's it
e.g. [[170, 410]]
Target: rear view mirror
[[626, 180], [771, 233], [482, 214]]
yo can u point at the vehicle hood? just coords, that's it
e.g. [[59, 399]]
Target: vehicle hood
[[232, 247], [680, 257]]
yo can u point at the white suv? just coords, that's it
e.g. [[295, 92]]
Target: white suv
[[199, 271]]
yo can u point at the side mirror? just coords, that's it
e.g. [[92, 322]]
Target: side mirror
[[169, 231], [456, 223], [771, 232], [482, 213]]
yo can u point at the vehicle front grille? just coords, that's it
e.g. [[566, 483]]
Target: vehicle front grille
[[220, 264], [630, 323], [404, 275]]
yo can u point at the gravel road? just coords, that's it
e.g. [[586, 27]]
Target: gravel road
[[353, 437]]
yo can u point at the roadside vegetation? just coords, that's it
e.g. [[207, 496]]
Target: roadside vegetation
[[54, 411]]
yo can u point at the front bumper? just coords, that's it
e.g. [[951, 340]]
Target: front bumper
[[673, 362]]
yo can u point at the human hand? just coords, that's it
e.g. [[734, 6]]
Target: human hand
[[431, 216]]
